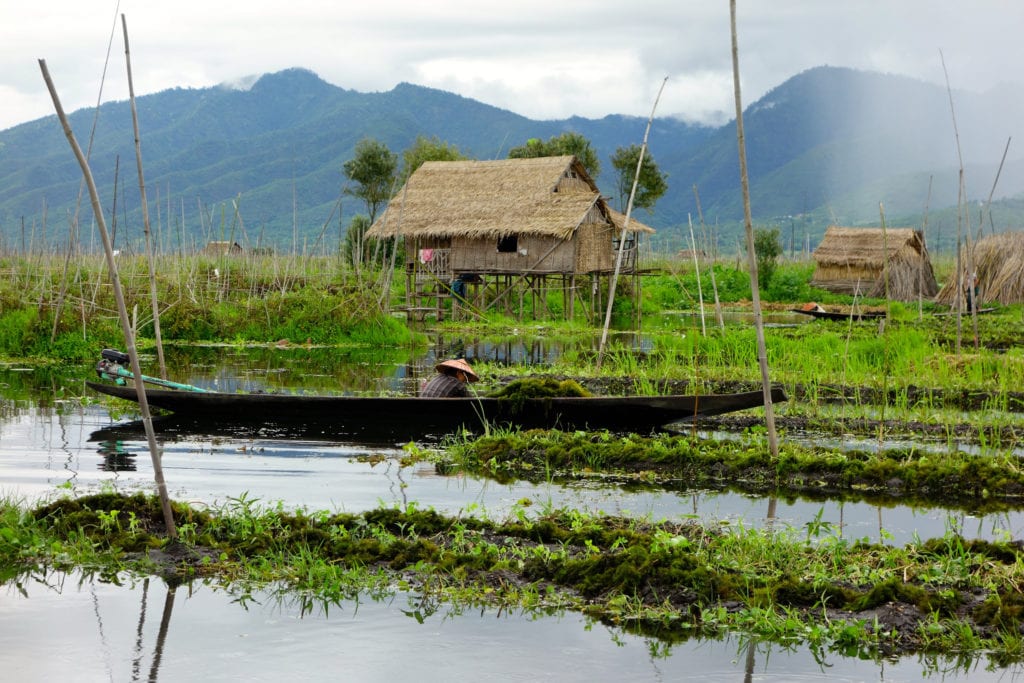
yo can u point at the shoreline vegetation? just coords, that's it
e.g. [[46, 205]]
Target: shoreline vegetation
[[908, 376], [671, 581]]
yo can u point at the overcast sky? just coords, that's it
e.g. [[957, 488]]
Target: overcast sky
[[542, 59]]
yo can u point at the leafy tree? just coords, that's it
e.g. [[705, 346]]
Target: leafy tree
[[558, 145], [767, 248], [651, 184], [428, 149], [372, 169]]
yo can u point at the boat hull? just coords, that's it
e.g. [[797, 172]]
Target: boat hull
[[409, 417]]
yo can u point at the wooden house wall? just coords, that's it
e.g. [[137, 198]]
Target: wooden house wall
[[595, 251], [482, 256]]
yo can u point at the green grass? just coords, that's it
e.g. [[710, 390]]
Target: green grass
[[669, 580]]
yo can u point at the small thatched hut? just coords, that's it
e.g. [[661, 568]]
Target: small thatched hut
[[999, 265], [542, 215], [220, 248], [531, 218], [853, 260]]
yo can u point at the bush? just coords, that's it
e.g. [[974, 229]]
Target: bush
[[767, 249]]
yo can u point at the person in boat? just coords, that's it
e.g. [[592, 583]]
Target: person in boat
[[451, 380]]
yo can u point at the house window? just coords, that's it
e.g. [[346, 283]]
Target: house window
[[508, 244]]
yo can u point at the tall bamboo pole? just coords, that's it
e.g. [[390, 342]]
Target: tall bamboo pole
[[625, 228], [712, 249], [762, 353], [145, 206], [122, 311], [696, 271]]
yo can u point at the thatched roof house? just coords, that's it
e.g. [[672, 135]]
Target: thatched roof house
[[999, 265], [852, 260], [218, 248], [542, 215]]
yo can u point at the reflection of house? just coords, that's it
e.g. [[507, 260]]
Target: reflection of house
[[221, 248], [516, 225], [853, 261]]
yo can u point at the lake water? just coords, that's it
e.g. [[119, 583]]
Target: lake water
[[75, 627]]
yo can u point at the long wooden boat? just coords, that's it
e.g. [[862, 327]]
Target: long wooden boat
[[410, 417], [823, 314]]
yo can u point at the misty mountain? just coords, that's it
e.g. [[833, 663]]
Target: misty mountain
[[263, 164]]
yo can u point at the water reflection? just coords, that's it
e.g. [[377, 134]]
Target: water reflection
[[115, 457], [118, 628]]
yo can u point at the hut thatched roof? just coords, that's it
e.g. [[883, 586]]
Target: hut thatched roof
[[999, 265], [549, 196], [619, 219], [853, 260], [865, 248]]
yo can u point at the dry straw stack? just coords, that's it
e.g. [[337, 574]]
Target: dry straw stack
[[999, 264]]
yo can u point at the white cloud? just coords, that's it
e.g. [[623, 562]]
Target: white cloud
[[539, 59]]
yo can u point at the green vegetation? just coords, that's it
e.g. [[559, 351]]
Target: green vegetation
[[55, 311], [671, 580], [977, 483], [559, 145], [372, 169], [651, 184]]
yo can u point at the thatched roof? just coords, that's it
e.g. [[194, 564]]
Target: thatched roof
[[549, 196], [619, 219], [852, 260], [864, 247], [999, 264]]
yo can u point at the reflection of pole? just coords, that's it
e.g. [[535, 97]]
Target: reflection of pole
[[748, 668], [138, 632], [161, 637]]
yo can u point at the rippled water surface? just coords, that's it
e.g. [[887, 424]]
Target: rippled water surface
[[57, 627]]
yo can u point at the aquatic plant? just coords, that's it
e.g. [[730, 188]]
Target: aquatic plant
[[671, 580]]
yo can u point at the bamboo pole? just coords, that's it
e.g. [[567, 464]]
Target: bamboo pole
[[920, 264], [962, 212], [762, 353], [147, 419], [696, 270], [145, 207], [625, 229], [713, 250]]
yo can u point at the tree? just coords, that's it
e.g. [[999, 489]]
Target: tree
[[428, 149], [651, 184], [373, 170], [558, 145], [767, 249]]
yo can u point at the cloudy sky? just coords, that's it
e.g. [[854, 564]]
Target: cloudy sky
[[541, 59]]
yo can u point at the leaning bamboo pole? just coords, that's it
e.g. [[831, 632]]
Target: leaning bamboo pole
[[696, 271], [154, 300], [129, 337], [762, 353], [625, 230]]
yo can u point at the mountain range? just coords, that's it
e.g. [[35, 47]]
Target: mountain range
[[262, 165]]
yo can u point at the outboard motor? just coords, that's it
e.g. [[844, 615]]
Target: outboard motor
[[112, 363]]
